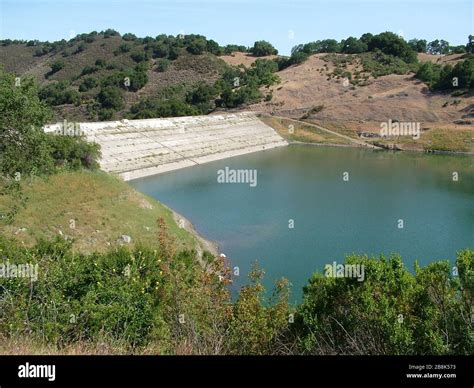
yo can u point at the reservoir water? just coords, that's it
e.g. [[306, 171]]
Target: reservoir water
[[313, 205]]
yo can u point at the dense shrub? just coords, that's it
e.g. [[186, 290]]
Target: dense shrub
[[105, 114], [378, 64], [296, 58], [109, 33], [149, 108], [129, 36], [162, 65], [447, 77], [197, 46], [230, 48], [100, 62], [110, 97], [80, 48], [56, 66], [59, 93], [160, 51], [123, 48], [392, 44], [174, 53], [132, 80], [24, 147], [263, 48], [73, 152], [89, 70], [203, 96], [353, 45], [139, 56], [87, 84], [42, 50], [262, 73], [392, 311], [135, 298], [418, 45], [244, 95]]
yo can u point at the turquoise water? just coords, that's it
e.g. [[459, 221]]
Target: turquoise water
[[332, 217]]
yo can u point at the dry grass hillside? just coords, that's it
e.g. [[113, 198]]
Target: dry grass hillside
[[312, 92], [181, 75], [238, 58]]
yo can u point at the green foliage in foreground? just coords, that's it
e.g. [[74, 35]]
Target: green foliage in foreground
[[392, 311], [24, 147], [153, 299]]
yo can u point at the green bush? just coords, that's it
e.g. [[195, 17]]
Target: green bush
[[442, 78], [80, 48], [392, 44], [110, 97], [197, 46], [230, 48], [42, 50], [106, 114], [89, 70], [23, 146], [263, 48], [79, 297], [139, 56], [202, 96], [391, 311], [162, 65], [160, 51], [132, 80], [378, 64], [109, 33], [149, 108], [88, 83], [56, 66], [101, 62], [123, 48], [73, 152], [129, 36], [59, 93], [353, 45]]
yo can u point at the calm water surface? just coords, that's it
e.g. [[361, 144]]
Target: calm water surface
[[332, 217]]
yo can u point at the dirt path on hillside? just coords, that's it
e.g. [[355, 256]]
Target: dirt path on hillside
[[355, 141]]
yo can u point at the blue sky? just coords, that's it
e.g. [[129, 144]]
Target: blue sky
[[284, 23]]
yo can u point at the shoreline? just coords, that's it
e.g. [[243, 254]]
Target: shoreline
[[203, 244], [436, 152], [161, 169]]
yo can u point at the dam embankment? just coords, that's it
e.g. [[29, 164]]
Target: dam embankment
[[138, 148]]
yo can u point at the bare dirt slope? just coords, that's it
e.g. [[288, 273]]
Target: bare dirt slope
[[308, 90], [393, 96], [238, 58]]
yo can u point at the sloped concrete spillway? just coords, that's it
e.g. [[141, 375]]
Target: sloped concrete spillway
[[138, 148]]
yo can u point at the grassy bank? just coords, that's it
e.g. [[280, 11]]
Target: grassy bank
[[94, 209]]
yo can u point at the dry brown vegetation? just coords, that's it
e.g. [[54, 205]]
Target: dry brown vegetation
[[362, 108]]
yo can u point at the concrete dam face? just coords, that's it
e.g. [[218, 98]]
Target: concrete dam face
[[138, 148]]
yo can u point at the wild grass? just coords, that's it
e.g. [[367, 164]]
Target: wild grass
[[94, 209]]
